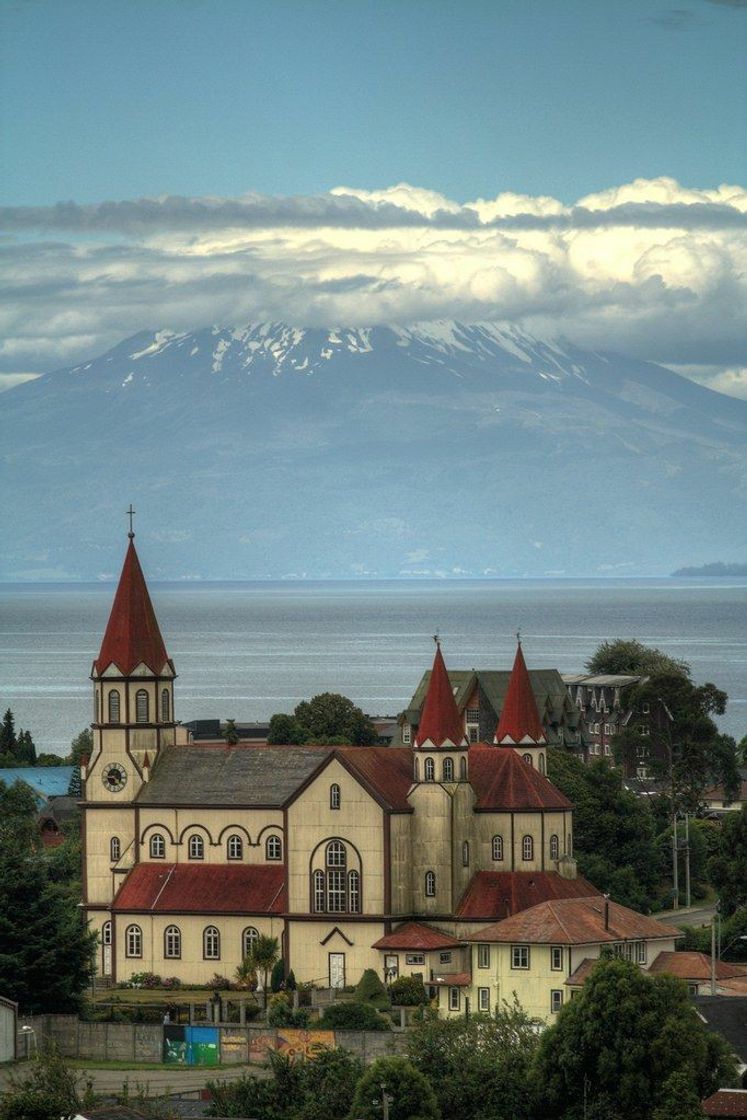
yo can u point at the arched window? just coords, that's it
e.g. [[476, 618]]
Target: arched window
[[319, 892], [430, 884], [235, 847], [465, 853], [157, 846], [336, 854], [273, 848], [106, 933], [354, 892], [416, 768], [113, 706], [165, 705], [429, 770], [97, 707], [497, 848], [196, 847], [527, 758], [334, 796], [527, 848], [542, 763], [554, 847], [133, 941], [172, 942], [337, 858], [211, 944], [141, 706], [115, 849], [448, 770], [249, 938], [463, 768]]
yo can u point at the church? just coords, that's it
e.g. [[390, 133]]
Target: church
[[446, 858]]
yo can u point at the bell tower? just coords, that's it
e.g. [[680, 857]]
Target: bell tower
[[520, 726], [133, 691]]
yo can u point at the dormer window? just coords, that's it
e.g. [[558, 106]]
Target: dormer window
[[406, 734]]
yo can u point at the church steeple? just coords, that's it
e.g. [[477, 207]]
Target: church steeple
[[440, 723], [132, 634], [520, 725]]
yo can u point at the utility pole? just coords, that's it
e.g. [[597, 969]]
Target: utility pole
[[675, 865], [687, 860], [713, 955], [386, 1100]]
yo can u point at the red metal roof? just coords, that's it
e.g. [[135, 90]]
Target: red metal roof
[[386, 771], [440, 721], [132, 635], [452, 980], [503, 780], [202, 889], [695, 966], [726, 1102], [498, 894], [418, 937], [519, 721], [576, 921]]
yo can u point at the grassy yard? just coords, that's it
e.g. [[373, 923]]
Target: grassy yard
[[159, 995]]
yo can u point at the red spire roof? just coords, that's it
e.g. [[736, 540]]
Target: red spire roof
[[440, 720], [132, 635], [520, 722]]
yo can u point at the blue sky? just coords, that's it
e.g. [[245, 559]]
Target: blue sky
[[576, 167], [112, 100]]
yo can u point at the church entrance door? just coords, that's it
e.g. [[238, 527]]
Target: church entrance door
[[337, 970]]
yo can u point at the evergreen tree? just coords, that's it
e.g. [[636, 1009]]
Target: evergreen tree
[[75, 785], [25, 749], [727, 868], [45, 948], [8, 741], [81, 745]]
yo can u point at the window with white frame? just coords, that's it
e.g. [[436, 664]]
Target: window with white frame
[[196, 847], [606, 729], [430, 884], [556, 958], [607, 749], [235, 847], [527, 848], [319, 892], [645, 708], [172, 943], [336, 889], [596, 728], [249, 938], [554, 847], [591, 728], [519, 956], [473, 733], [473, 715], [429, 770], [448, 770], [133, 941], [334, 796], [454, 999], [527, 758], [141, 706], [556, 999], [354, 892], [483, 999], [640, 952], [406, 734], [497, 848], [463, 769], [414, 958], [643, 729], [157, 846], [115, 849], [211, 944], [273, 848], [483, 956], [106, 933]]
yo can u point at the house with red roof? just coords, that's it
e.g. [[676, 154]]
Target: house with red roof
[[408, 859]]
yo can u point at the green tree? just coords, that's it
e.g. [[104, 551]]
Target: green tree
[[411, 1095], [479, 1067], [630, 657], [48, 1092], [25, 749], [277, 976], [81, 746], [370, 989], [352, 1015], [328, 1083], [318, 1089], [8, 742], [614, 1048], [265, 951], [683, 745], [45, 947], [727, 866], [230, 734], [326, 719], [680, 1101], [614, 833]]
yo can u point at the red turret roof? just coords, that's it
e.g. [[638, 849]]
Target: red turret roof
[[132, 635], [520, 721], [440, 720]]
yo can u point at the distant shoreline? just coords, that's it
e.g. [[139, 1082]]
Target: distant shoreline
[[716, 569]]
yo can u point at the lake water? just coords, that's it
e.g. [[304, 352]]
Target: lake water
[[244, 651]]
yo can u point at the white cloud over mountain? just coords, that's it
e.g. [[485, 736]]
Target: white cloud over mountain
[[651, 268]]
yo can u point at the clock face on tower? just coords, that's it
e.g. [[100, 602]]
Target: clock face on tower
[[114, 777]]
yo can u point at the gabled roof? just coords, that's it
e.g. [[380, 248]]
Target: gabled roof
[[385, 771], [502, 780], [695, 966], [498, 894], [206, 888], [417, 937], [132, 635], [576, 921], [550, 694], [440, 722], [519, 720], [725, 1102]]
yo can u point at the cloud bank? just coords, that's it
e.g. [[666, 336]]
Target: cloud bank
[[650, 267]]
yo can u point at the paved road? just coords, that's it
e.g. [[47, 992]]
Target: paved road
[[695, 916]]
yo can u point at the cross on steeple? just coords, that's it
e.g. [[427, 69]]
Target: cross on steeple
[[130, 513], [518, 637]]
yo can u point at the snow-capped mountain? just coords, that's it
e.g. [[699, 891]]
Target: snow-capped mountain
[[437, 448]]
